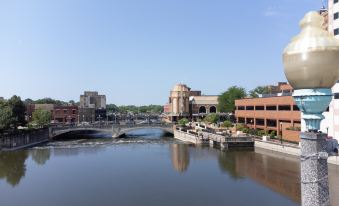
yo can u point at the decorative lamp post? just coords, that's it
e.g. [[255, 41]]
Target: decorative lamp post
[[311, 66]]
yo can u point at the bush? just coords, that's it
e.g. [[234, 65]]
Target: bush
[[211, 119], [245, 130], [182, 122], [227, 124], [273, 134], [240, 126], [294, 128], [261, 133]]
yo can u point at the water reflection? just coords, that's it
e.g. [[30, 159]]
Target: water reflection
[[279, 173], [180, 157], [12, 166], [41, 156]]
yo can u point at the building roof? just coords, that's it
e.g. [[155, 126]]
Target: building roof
[[181, 88], [212, 100]]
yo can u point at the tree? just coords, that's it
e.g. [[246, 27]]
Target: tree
[[211, 118], [6, 117], [18, 110], [259, 90], [50, 101], [226, 101], [41, 117]]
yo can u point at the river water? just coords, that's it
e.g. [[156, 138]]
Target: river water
[[148, 168]]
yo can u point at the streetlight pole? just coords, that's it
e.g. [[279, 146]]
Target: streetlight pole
[[311, 67]]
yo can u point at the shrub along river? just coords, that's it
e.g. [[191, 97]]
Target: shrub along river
[[148, 168]]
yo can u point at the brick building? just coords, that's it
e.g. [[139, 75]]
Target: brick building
[[273, 112], [65, 114]]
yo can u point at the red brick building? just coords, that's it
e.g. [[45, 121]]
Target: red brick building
[[273, 112], [65, 114]]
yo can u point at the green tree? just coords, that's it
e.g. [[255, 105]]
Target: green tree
[[259, 90], [48, 100], [211, 118], [18, 110], [182, 122], [6, 117], [41, 117], [226, 101]]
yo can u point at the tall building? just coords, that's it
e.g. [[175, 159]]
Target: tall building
[[93, 100], [92, 107], [333, 17]]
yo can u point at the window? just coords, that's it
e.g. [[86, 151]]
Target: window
[[284, 107], [259, 108], [65, 111], [241, 120], [271, 108], [335, 1], [271, 123], [295, 108], [336, 15], [250, 108], [336, 31], [260, 122], [336, 95], [241, 108], [73, 111]]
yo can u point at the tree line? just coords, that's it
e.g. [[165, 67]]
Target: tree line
[[112, 108], [226, 101]]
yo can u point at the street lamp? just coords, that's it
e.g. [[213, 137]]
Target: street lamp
[[311, 66]]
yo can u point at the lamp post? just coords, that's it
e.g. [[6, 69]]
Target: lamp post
[[311, 67]]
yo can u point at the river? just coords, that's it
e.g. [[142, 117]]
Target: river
[[148, 168]]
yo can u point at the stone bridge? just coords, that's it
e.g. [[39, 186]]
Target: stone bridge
[[115, 130]]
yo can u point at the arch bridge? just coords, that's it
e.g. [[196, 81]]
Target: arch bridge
[[115, 130]]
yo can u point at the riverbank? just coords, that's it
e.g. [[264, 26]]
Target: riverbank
[[23, 139], [285, 148]]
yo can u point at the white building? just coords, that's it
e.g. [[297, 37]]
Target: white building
[[333, 15]]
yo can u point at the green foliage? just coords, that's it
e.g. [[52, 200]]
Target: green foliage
[[261, 132], [227, 124], [273, 134], [239, 126], [182, 122], [294, 128], [211, 118], [6, 117], [259, 90], [41, 118], [135, 109], [112, 108], [18, 110], [50, 101], [245, 130], [226, 101]]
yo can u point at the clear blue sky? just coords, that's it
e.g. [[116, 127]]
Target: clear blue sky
[[135, 51]]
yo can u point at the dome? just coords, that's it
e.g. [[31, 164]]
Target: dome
[[180, 88], [311, 58]]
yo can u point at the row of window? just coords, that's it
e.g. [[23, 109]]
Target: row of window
[[57, 111], [261, 122], [270, 108]]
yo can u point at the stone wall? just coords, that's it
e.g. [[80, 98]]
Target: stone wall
[[22, 139]]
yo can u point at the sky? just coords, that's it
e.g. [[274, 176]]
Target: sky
[[135, 51]]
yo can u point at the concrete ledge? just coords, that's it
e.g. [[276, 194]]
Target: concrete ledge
[[289, 150], [295, 151]]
